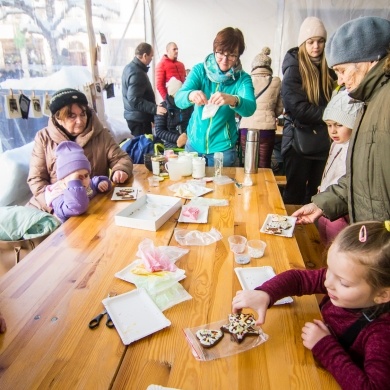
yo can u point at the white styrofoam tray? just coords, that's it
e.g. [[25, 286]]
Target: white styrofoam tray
[[149, 212], [135, 315], [285, 232], [252, 277]]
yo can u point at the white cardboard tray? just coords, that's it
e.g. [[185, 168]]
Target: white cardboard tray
[[202, 216], [149, 212], [124, 193], [252, 277], [286, 232], [135, 315]]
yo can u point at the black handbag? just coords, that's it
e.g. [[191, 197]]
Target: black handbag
[[309, 141]]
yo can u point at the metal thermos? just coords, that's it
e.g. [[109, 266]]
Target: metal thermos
[[252, 151]]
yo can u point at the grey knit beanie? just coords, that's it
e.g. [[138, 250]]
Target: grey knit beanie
[[262, 59], [342, 109], [311, 27], [363, 39]]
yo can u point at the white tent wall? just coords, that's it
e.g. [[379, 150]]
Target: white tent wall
[[191, 24], [273, 23]]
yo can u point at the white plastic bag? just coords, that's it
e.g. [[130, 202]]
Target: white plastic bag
[[195, 237]]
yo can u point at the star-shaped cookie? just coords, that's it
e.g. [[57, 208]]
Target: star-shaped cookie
[[240, 326]]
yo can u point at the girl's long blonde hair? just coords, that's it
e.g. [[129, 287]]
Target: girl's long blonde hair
[[314, 80]]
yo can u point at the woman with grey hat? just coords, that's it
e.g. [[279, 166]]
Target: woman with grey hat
[[306, 89], [358, 52], [73, 120], [268, 107]]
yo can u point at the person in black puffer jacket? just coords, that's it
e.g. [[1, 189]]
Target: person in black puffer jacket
[[137, 92], [171, 128], [306, 89]]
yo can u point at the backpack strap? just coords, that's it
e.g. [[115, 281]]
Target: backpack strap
[[349, 336], [265, 88]]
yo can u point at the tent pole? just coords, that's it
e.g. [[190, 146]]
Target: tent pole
[[94, 67]]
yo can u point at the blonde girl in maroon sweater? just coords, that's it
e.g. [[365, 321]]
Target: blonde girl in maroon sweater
[[352, 341]]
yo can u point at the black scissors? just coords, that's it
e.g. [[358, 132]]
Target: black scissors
[[94, 323]]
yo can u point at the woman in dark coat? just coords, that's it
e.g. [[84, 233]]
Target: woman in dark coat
[[306, 89]]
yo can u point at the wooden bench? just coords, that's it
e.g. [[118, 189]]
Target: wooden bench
[[312, 250]]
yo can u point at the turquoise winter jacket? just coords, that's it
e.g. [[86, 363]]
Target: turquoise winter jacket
[[218, 133]]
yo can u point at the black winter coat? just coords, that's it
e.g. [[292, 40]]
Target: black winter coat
[[298, 110], [166, 126], [137, 92]]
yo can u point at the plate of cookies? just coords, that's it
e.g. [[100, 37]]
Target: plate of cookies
[[124, 193], [279, 225]]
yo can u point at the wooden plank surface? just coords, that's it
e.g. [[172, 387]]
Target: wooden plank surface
[[49, 298]]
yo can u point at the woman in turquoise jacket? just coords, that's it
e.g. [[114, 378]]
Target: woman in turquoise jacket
[[220, 84]]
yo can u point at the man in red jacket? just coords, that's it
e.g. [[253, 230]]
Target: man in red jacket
[[169, 67]]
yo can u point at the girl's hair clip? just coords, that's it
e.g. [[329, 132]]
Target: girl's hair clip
[[387, 225], [363, 234]]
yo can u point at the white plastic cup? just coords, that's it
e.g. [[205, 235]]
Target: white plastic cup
[[237, 243], [256, 248], [174, 169], [153, 181], [242, 258]]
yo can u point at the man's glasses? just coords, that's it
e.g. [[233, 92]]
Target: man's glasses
[[220, 56]]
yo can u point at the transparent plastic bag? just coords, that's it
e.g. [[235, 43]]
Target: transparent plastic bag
[[195, 237], [170, 296], [208, 202], [225, 347], [153, 257]]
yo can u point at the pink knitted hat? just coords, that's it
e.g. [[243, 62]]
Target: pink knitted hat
[[310, 28]]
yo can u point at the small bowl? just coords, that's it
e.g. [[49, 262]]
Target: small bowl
[[237, 243], [256, 248]]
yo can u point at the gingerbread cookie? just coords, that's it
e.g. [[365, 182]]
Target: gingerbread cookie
[[277, 224], [209, 338], [240, 326]]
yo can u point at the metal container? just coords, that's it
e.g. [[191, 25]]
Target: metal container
[[252, 151]]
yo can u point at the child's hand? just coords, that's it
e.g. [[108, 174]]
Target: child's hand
[[312, 333], [103, 186], [256, 300], [3, 327]]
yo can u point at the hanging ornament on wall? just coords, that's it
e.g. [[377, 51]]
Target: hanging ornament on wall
[[35, 108], [24, 103], [12, 107], [46, 105]]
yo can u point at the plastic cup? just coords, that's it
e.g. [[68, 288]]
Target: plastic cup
[[237, 243], [242, 258], [256, 248], [153, 181]]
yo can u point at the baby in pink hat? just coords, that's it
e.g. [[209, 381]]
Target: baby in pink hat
[[71, 194]]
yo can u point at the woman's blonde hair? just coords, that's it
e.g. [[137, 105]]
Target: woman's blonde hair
[[314, 80]]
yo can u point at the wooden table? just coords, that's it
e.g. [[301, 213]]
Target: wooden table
[[49, 298]]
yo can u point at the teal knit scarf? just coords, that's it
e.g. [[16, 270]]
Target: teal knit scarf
[[216, 75]]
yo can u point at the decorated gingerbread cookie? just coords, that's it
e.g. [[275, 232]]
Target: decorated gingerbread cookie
[[277, 224], [240, 326], [209, 338]]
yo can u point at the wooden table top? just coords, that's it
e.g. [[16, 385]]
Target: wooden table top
[[49, 298]]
